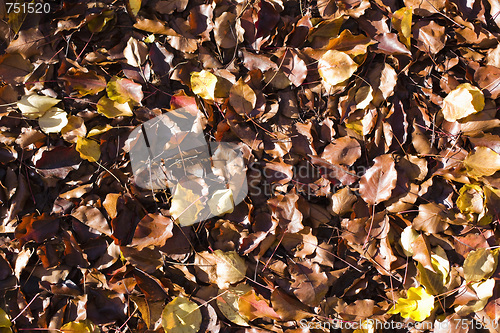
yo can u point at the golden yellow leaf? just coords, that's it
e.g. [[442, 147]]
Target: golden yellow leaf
[[34, 106], [463, 101], [74, 129], [482, 162], [99, 130], [88, 149], [85, 326], [113, 109], [53, 121], [417, 306], [219, 267], [203, 84], [181, 316], [401, 20], [335, 67], [4, 319]]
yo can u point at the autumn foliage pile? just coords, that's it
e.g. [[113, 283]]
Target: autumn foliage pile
[[370, 134]]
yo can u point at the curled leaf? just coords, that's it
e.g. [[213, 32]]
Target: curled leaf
[[418, 305]]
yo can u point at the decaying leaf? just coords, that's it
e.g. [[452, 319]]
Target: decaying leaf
[[482, 162], [221, 268], [35, 106], [377, 183], [53, 121]]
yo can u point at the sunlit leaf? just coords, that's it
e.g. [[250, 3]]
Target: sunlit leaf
[[482, 162], [335, 67], [463, 101], [484, 290], [85, 83], [254, 306], [480, 264], [435, 281], [113, 109], [53, 121], [88, 149], [401, 20], [418, 305], [242, 98], [123, 90], [135, 52], [203, 84], [181, 316], [377, 183], [408, 236], [34, 106]]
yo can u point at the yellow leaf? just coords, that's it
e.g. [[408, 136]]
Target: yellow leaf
[[88, 149], [4, 319], [401, 20], [85, 326], [482, 162], [471, 199], [181, 316], [221, 202], [185, 206], [203, 84], [408, 236], [480, 264], [227, 303], [113, 109], [335, 67], [34, 106], [98, 23], [367, 326], [53, 121], [463, 101], [134, 6], [99, 130], [435, 281], [417, 306], [254, 306]]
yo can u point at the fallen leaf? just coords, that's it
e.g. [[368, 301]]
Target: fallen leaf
[[228, 301], [124, 90], [181, 316], [89, 149], [242, 98], [482, 162], [253, 306], [463, 101], [35, 106], [135, 52], [221, 202], [335, 67], [401, 20], [203, 84], [85, 326], [418, 305], [113, 109], [377, 183], [53, 121], [480, 264], [484, 290]]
